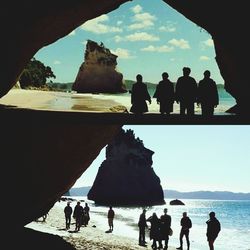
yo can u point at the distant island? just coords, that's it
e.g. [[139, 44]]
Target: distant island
[[173, 194]]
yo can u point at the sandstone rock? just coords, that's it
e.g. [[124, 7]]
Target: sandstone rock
[[126, 177], [98, 71]]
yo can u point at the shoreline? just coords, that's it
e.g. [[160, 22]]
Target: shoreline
[[91, 237]]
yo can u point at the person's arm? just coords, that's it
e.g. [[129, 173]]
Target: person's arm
[[177, 91]]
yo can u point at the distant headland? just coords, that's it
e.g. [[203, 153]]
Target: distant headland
[[173, 194]]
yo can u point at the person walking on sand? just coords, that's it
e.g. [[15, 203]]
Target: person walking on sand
[[164, 94], [111, 215], [186, 224], [186, 92], [154, 229], [165, 228], [213, 229], [68, 212], [77, 215], [139, 96], [142, 224], [207, 95]]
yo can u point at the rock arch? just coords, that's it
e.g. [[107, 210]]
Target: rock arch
[[27, 27]]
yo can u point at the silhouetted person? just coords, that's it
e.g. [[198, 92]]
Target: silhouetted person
[[213, 229], [45, 217], [165, 226], [139, 96], [68, 212], [77, 215], [154, 229], [142, 224], [164, 94], [86, 216], [207, 95], [111, 215], [186, 92], [186, 224]]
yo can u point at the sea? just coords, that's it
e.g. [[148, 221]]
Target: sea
[[234, 217]]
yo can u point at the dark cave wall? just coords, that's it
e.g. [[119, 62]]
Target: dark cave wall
[[227, 22]]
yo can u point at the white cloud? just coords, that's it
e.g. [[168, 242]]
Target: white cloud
[[142, 21], [137, 9], [167, 28], [181, 43], [204, 58], [160, 49], [72, 33], [119, 23], [96, 26], [140, 17], [118, 39], [57, 62], [141, 36], [209, 42], [122, 53]]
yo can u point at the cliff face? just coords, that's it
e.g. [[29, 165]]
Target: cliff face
[[98, 71], [126, 177]]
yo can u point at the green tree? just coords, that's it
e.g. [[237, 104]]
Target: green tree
[[35, 74]]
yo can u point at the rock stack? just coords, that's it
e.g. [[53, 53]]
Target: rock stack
[[126, 176], [98, 73]]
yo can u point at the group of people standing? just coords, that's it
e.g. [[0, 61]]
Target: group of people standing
[[160, 229], [80, 214], [82, 217], [186, 92]]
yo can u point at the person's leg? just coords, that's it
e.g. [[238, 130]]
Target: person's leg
[[143, 236], [69, 221], [211, 244], [166, 243], [181, 239], [190, 108], [140, 235], [182, 108], [160, 244], [154, 244], [187, 239]]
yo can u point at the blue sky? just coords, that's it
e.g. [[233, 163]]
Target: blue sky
[[149, 38], [192, 158]]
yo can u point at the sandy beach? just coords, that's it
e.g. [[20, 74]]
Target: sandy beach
[[93, 236], [75, 102]]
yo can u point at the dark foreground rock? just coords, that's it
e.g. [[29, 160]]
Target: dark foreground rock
[[30, 239], [176, 202], [126, 177]]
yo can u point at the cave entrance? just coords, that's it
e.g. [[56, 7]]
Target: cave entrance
[[148, 38]]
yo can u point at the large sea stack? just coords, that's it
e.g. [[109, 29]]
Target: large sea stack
[[98, 71], [126, 177]]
